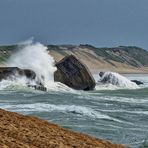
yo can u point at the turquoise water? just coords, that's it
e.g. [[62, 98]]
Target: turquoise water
[[111, 113]]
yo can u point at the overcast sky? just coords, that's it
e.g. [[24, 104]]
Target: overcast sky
[[102, 23]]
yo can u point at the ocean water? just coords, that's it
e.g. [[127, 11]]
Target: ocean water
[[118, 113]]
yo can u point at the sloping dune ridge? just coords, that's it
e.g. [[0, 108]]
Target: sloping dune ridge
[[122, 59], [18, 131]]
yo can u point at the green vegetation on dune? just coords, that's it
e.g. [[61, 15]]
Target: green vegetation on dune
[[57, 49], [6, 51], [103, 53], [137, 53], [131, 55], [3, 58]]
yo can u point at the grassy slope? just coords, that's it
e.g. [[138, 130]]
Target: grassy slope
[[135, 54]]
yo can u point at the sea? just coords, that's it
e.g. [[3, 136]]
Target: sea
[[117, 112]]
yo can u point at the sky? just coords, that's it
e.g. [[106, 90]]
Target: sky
[[102, 23]]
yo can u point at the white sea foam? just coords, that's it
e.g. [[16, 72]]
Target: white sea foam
[[73, 109], [101, 86], [35, 56], [42, 107], [17, 83], [112, 81]]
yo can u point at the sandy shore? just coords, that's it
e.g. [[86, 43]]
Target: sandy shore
[[18, 131], [121, 71]]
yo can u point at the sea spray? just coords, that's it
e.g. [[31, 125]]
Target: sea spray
[[34, 56], [117, 81]]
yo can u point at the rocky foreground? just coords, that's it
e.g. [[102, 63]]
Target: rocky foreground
[[18, 131]]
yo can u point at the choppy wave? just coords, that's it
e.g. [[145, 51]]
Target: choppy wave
[[119, 115], [41, 107], [16, 84], [20, 85]]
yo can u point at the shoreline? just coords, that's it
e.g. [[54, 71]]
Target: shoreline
[[121, 72], [21, 131]]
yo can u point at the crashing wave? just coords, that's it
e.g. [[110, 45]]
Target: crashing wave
[[115, 79], [33, 56]]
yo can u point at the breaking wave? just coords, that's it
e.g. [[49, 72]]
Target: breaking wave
[[36, 57], [113, 81]]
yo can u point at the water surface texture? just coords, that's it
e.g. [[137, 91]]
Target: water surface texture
[[109, 112], [115, 111]]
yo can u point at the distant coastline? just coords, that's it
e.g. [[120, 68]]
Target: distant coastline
[[122, 59]]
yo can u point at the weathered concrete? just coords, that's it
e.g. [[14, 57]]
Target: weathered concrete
[[74, 74]]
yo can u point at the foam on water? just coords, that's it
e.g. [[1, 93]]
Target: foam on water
[[42, 107], [117, 99], [114, 81], [106, 87], [141, 77], [17, 83]]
